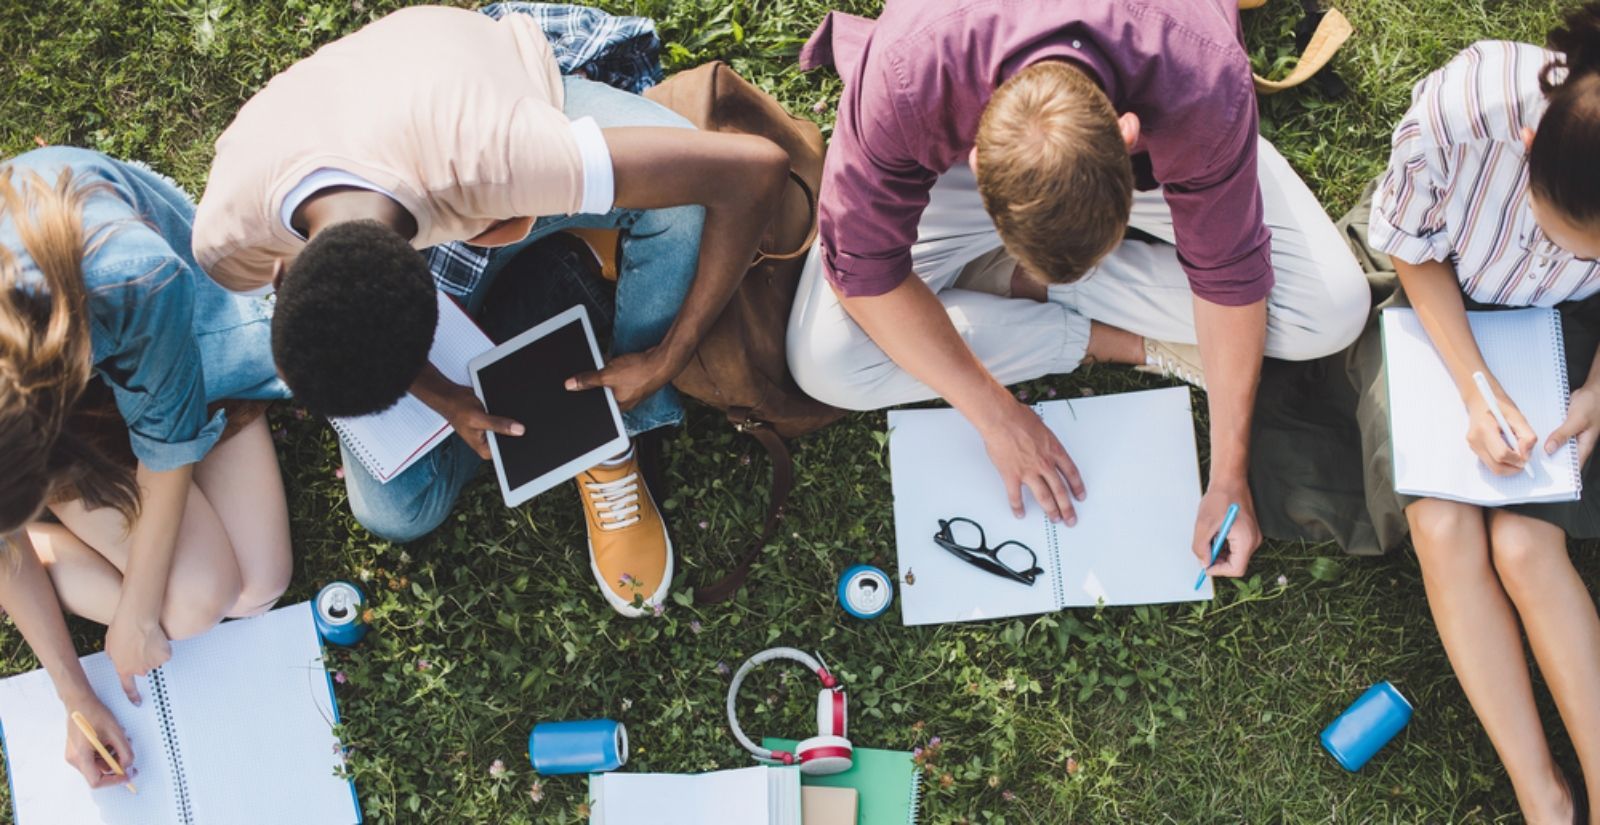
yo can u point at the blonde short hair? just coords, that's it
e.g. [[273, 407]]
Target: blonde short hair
[[1054, 171]]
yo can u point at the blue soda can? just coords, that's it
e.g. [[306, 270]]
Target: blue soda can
[[865, 591], [338, 614], [589, 746], [1366, 726]]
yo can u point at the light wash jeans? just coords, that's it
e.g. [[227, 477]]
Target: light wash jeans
[[660, 254]]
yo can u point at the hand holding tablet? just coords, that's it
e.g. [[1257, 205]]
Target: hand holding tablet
[[567, 432]]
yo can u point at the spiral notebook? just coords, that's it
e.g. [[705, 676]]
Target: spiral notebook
[[888, 784], [388, 442], [236, 729], [1525, 350], [1132, 542]]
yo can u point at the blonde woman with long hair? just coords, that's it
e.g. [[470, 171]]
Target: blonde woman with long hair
[[127, 497]]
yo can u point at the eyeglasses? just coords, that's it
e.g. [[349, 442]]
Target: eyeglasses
[[965, 540]]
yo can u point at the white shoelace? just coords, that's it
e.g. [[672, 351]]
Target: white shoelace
[[1177, 369], [616, 503]]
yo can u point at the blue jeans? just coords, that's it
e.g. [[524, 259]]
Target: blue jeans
[[660, 254]]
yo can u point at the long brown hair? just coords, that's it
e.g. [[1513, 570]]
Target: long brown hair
[[45, 358]]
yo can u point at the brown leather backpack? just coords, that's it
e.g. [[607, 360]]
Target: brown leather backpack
[[741, 366]]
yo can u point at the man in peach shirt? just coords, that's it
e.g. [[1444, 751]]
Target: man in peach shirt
[[434, 125]]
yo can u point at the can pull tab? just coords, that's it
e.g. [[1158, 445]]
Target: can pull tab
[[338, 605]]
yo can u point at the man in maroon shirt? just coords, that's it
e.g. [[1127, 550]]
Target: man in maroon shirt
[[970, 151]]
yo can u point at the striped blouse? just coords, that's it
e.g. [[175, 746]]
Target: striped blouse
[[1456, 189]]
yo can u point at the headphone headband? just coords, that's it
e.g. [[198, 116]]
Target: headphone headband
[[771, 654]]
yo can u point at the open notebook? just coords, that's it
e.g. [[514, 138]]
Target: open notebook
[[761, 795], [388, 442], [1525, 351], [236, 728], [1131, 545]]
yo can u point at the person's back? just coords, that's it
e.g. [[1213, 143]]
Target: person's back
[[452, 113]]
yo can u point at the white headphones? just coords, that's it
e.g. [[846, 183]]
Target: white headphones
[[827, 752]]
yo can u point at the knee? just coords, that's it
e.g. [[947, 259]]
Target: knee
[[1527, 553], [198, 605], [1341, 312], [399, 522], [828, 371], [1443, 534]]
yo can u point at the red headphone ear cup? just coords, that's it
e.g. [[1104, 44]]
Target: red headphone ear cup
[[832, 713], [824, 755]]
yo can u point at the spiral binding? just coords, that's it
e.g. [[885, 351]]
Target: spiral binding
[[1566, 389], [354, 445], [169, 741], [916, 797], [1053, 536]]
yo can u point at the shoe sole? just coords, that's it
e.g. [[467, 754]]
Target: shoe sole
[[617, 603]]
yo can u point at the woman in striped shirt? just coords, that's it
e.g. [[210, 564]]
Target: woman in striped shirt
[[1492, 198]]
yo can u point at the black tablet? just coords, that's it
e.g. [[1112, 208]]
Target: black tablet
[[524, 379]]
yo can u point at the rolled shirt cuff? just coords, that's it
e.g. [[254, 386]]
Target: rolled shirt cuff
[[599, 178], [161, 456], [858, 277], [1395, 242]]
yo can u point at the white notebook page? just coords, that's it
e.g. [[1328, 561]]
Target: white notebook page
[[759, 795], [939, 469], [390, 441], [1132, 542], [45, 789], [253, 715], [1131, 545], [1431, 455]]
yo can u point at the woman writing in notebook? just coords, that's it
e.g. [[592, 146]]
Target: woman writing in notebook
[[1492, 199], [124, 499]]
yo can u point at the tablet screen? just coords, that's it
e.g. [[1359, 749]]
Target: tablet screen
[[528, 386]]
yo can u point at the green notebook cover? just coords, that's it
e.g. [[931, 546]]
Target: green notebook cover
[[887, 783]]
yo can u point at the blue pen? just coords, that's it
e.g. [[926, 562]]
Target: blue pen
[[1216, 543]]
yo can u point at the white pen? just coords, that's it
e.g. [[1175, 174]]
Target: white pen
[[1500, 417]]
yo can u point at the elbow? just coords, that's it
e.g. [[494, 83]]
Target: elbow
[[768, 169]]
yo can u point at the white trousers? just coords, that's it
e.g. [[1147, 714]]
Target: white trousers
[[1318, 305]]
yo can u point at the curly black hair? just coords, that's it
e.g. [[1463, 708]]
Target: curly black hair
[[354, 320]]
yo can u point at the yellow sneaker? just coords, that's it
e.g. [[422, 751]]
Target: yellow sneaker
[[629, 550]]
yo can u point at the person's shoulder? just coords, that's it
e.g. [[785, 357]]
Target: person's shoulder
[[1485, 94]]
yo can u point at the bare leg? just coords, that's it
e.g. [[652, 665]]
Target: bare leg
[[1562, 625], [240, 480], [1484, 642], [1109, 345], [204, 582], [87, 584]]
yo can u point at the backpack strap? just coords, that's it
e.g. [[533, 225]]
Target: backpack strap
[[782, 484], [1332, 32]]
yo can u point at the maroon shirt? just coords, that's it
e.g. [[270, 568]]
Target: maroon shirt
[[917, 79]]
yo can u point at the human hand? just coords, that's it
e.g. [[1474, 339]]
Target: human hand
[[1244, 537], [467, 417], [1583, 423], [136, 645], [631, 377], [1027, 453], [83, 756], [1485, 438]]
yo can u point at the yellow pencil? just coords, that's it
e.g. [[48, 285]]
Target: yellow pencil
[[88, 733]]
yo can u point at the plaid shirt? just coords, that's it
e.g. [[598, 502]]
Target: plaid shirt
[[619, 51]]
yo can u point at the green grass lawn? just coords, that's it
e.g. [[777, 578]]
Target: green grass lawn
[[1195, 713]]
